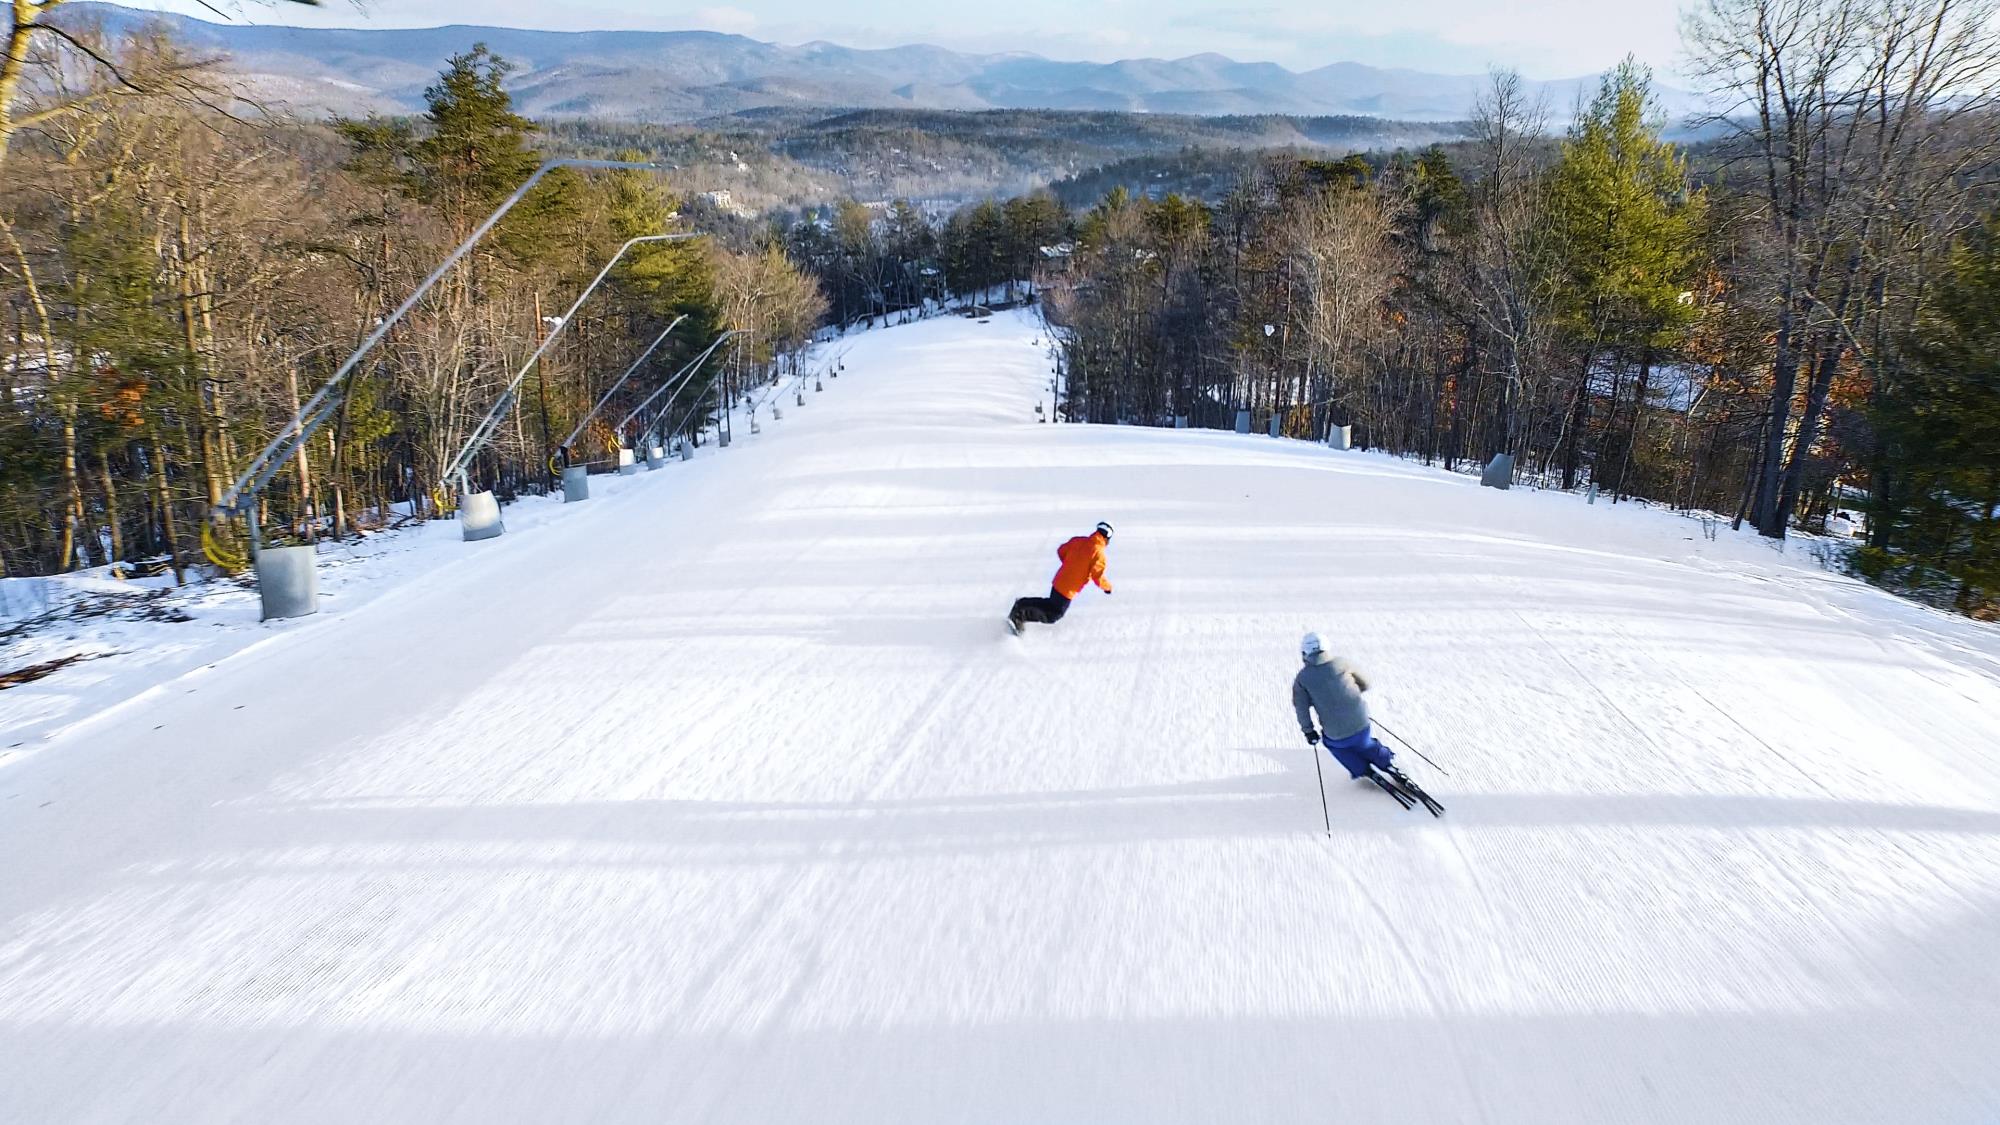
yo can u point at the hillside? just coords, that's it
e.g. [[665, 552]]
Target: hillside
[[687, 75], [725, 797], [796, 158]]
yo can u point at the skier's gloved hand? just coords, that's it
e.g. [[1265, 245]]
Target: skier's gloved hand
[[1312, 738]]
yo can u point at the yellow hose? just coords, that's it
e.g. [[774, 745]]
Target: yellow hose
[[226, 558]]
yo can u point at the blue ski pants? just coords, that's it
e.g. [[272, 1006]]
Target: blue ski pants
[[1358, 751]]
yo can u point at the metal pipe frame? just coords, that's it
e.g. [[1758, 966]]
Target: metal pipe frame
[[484, 431], [693, 409], [680, 380], [242, 494], [643, 356]]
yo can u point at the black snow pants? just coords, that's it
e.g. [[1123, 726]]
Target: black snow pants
[[1047, 610]]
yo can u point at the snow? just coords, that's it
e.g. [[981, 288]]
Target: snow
[[725, 797], [141, 633]]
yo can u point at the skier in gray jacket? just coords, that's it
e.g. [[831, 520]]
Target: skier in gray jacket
[[1333, 687]]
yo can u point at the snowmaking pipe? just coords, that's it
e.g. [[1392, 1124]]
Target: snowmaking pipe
[[643, 357], [682, 424], [672, 387], [484, 431], [321, 406]]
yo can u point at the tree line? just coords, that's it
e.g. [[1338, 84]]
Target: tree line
[[179, 271], [1782, 324], [1786, 323]]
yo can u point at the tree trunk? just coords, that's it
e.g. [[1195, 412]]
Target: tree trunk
[[1817, 389], [1753, 483], [14, 63], [337, 468], [1784, 381], [306, 513], [1578, 417], [1638, 414], [110, 507], [165, 501], [72, 498]]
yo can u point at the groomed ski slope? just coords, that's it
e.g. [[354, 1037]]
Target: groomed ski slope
[[727, 799]]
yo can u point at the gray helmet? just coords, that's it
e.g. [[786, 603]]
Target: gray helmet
[[1310, 646]]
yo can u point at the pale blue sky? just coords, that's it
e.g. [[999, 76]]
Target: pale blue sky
[[1547, 39]]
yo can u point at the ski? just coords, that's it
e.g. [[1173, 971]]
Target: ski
[[1413, 791], [1389, 789]]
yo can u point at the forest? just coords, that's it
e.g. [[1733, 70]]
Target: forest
[[178, 275], [1788, 326]]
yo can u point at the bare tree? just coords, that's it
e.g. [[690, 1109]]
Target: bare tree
[[1510, 288], [1849, 113]]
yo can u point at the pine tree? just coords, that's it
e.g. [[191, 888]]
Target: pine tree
[[1624, 242], [476, 150], [1937, 499]]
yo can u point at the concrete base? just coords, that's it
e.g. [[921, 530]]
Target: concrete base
[[479, 516], [724, 440], [687, 451], [1277, 425], [288, 581], [626, 464], [1499, 473], [655, 456], [576, 484], [1243, 421], [1180, 421], [1341, 437]]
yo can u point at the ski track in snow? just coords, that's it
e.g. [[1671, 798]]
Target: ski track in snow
[[727, 798]]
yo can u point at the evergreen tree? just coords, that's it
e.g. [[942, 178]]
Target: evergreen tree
[[1624, 242], [476, 152], [1937, 496]]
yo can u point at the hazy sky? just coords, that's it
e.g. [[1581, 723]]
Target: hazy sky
[[1545, 39]]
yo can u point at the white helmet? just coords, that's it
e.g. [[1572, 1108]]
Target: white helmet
[[1104, 529], [1310, 646]]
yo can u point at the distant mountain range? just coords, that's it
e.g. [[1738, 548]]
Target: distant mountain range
[[675, 76]]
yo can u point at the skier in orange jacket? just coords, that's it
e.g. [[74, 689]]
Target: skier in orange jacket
[[1082, 564]]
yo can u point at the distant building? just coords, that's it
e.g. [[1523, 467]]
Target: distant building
[[1054, 262], [721, 200]]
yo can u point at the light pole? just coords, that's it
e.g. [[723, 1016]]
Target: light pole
[[290, 589], [479, 513]]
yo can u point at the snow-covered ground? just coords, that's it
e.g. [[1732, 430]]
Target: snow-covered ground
[[726, 798], [134, 636]]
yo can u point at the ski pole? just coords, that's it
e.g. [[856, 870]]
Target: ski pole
[[1413, 749], [1324, 815]]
